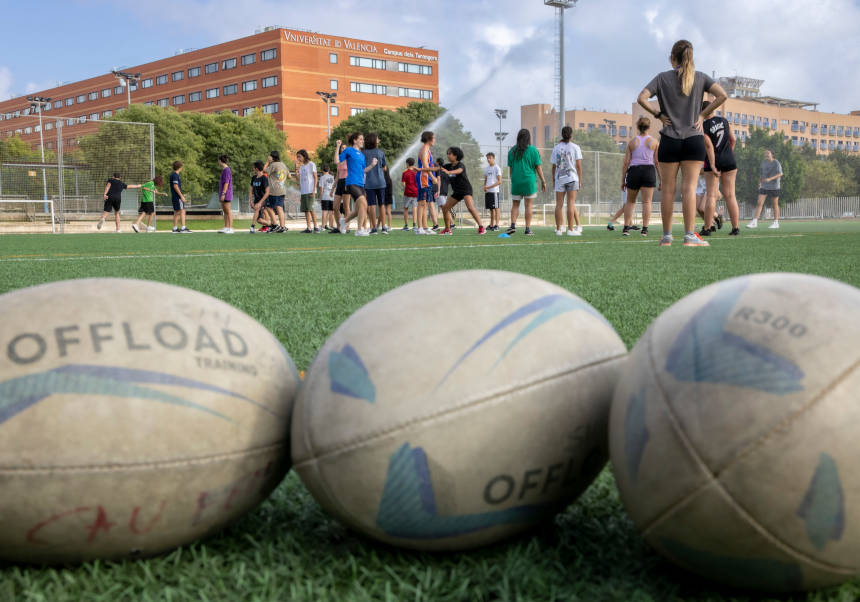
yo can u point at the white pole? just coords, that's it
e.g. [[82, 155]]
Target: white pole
[[561, 67], [44, 179]]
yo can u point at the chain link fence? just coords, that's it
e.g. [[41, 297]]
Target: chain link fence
[[55, 182]]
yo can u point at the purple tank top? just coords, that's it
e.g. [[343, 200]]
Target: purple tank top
[[642, 154]]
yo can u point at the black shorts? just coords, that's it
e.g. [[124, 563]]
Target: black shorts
[[389, 198], [459, 195], [355, 191], [112, 205], [675, 150], [327, 205], [725, 162], [178, 205], [771, 194], [341, 187], [147, 208], [491, 200], [375, 196], [641, 176]]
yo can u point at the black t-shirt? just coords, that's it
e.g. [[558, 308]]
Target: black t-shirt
[[717, 129], [460, 185], [258, 186], [115, 190], [444, 179]]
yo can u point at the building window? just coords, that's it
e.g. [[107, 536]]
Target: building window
[[231, 89], [69, 102], [546, 134], [148, 103], [106, 92], [794, 126], [179, 100], [107, 114], [49, 126], [29, 130], [823, 145], [356, 111], [212, 93], [94, 117], [268, 55], [360, 61], [147, 83], [69, 121], [249, 59], [415, 93], [410, 68], [194, 72], [249, 86], [271, 81], [228, 64], [177, 76], [332, 58], [766, 122], [773, 124], [195, 96], [737, 119], [117, 90], [163, 102], [249, 110], [335, 110], [81, 99], [623, 131], [840, 131], [832, 130], [534, 134], [93, 95], [332, 84], [368, 88], [270, 108], [211, 68], [59, 103], [161, 80]]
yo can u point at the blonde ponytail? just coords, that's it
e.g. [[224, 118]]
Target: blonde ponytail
[[682, 54]]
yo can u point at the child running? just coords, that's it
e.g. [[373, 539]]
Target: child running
[[356, 168], [178, 199], [147, 203], [461, 189], [566, 162], [326, 187], [492, 188], [308, 182], [113, 199], [409, 183]]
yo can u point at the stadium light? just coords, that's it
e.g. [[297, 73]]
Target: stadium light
[[500, 135], [37, 103], [560, 6], [126, 80], [329, 99]]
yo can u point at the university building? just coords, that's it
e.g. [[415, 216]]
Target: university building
[[277, 71], [746, 108]]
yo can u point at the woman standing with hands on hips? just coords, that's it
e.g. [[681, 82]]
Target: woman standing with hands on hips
[[679, 93]]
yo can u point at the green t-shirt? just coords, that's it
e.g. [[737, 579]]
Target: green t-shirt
[[523, 176], [146, 192]]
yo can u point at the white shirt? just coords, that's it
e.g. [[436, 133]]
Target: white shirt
[[326, 185], [493, 173], [564, 157], [306, 177]]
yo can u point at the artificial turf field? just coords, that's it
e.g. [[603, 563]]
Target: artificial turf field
[[302, 287]]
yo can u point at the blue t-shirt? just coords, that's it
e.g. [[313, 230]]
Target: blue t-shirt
[[175, 179], [355, 165], [375, 178]]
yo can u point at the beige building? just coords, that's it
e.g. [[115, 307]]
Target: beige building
[[745, 109]]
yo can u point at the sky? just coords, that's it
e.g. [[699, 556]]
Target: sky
[[493, 53]]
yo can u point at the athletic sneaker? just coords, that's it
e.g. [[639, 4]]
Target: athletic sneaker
[[574, 232], [694, 240], [719, 221], [175, 230], [307, 231], [342, 224], [100, 224], [430, 231], [644, 231], [735, 232], [316, 230], [385, 230], [625, 231], [150, 228], [559, 232], [446, 232], [265, 229], [529, 232], [184, 230], [666, 240], [774, 225], [135, 228], [481, 230], [753, 224], [252, 229], [405, 228], [225, 231], [578, 229], [435, 227], [610, 226], [419, 230], [634, 227], [705, 231], [374, 231], [361, 232], [510, 231], [334, 231], [118, 231]]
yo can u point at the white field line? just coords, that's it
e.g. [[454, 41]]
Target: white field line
[[246, 252]]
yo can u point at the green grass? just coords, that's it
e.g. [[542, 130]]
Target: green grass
[[302, 287]]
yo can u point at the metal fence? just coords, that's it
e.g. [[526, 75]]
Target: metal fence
[[67, 173]]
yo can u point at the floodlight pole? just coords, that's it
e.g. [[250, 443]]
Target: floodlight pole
[[127, 79], [560, 6], [500, 135], [329, 99], [37, 102]]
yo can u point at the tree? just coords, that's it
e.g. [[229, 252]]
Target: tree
[[849, 167], [824, 179], [595, 140], [749, 156]]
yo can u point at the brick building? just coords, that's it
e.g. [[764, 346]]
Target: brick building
[[277, 71]]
